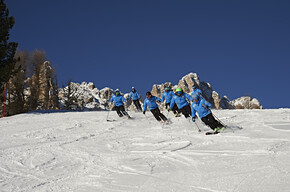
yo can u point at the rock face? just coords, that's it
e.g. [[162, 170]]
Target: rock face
[[211, 96], [86, 97], [246, 103]]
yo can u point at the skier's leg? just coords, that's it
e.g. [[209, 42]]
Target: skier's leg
[[213, 121], [118, 111], [207, 122], [186, 111], [122, 109], [139, 105], [155, 113], [161, 115], [136, 104], [175, 109], [167, 105]]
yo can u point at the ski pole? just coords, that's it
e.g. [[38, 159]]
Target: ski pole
[[218, 119], [147, 119], [197, 127], [223, 123], [108, 115]]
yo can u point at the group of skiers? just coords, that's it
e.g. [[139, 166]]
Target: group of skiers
[[178, 102]]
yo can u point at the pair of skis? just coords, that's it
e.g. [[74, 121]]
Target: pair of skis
[[111, 120]]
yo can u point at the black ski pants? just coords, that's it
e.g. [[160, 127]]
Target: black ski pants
[[158, 115], [210, 121], [174, 109], [137, 105], [186, 111], [121, 110]]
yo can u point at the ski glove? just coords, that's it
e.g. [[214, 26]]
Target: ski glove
[[193, 119]]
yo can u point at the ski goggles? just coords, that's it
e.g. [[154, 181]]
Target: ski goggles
[[178, 92], [148, 96]]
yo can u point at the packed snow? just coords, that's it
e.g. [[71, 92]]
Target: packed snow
[[83, 152]]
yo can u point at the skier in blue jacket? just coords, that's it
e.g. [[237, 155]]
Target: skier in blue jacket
[[195, 91], [180, 98], [150, 101], [202, 107], [135, 97], [118, 101], [167, 97]]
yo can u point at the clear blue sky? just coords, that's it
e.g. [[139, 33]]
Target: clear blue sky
[[241, 47]]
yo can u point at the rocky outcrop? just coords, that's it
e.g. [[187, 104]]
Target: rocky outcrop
[[188, 81], [246, 103], [86, 97], [211, 96]]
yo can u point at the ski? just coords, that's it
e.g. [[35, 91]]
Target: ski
[[163, 123], [111, 120], [211, 133], [130, 118]]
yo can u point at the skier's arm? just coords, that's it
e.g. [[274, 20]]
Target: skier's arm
[[188, 97], [145, 105], [163, 97], [130, 96], [172, 103], [158, 99], [208, 105], [123, 99], [199, 92], [112, 99], [193, 112]]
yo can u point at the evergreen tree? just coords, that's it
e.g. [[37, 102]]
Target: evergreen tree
[[17, 84], [7, 49]]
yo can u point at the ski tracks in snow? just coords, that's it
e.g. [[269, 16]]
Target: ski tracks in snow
[[83, 152]]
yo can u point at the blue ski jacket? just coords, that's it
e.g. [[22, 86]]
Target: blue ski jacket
[[151, 103], [180, 101], [202, 107], [118, 100], [196, 91], [134, 96], [167, 96]]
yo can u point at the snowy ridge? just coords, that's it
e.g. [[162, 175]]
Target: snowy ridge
[[81, 151]]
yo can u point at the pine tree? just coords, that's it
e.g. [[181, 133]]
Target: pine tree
[[7, 49], [17, 85]]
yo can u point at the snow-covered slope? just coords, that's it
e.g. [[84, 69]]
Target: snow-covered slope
[[82, 152]]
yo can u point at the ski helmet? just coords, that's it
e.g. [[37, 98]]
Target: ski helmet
[[178, 91], [148, 94], [117, 92]]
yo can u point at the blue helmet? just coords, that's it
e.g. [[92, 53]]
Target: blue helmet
[[117, 92]]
